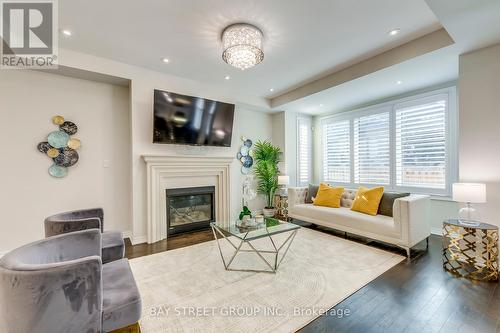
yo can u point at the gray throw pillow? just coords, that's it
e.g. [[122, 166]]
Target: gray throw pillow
[[312, 191], [387, 202]]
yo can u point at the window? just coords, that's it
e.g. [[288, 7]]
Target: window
[[407, 145], [337, 152], [304, 149], [372, 162], [421, 145]]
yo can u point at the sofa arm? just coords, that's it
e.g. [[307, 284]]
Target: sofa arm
[[296, 195], [412, 215]]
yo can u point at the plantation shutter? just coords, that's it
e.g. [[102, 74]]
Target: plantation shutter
[[372, 149], [421, 145], [337, 152], [304, 151]]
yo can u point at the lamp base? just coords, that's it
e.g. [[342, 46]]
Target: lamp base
[[468, 216]]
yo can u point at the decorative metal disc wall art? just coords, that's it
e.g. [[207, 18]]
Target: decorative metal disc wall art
[[245, 155], [61, 147]]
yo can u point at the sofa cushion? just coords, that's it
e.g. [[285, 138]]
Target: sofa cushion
[[121, 299], [367, 200], [328, 196], [387, 202], [378, 224], [312, 191]]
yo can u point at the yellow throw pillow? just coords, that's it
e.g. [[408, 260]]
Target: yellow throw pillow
[[367, 200], [328, 196]]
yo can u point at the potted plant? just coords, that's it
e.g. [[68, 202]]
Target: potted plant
[[267, 157]]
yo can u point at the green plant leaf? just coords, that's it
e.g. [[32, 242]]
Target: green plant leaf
[[266, 170]]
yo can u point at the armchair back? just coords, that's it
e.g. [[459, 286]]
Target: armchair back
[[53, 285]]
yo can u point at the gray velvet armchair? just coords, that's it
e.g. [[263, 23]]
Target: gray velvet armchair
[[113, 246], [59, 285]]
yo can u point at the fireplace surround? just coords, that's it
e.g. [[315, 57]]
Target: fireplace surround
[[181, 171]]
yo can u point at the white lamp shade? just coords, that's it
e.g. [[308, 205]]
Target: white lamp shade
[[283, 180], [469, 192]]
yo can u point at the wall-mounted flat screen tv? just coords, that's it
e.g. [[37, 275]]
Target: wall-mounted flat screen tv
[[180, 119]]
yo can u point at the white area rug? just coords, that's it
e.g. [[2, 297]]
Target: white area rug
[[188, 289]]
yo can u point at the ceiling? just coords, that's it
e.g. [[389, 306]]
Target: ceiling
[[433, 69], [473, 24], [303, 39]]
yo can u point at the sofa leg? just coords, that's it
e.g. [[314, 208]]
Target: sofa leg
[[427, 243], [408, 252]]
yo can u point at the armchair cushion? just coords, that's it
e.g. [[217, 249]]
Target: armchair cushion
[[113, 246], [121, 298]]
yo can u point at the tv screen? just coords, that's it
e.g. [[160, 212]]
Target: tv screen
[[181, 119]]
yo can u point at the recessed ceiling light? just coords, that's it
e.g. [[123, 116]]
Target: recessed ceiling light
[[399, 82], [66, 32], [227, 77], [165, 60], [271, 90], [394, 32]]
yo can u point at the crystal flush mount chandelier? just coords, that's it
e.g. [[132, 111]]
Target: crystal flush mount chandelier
[[242, 45]]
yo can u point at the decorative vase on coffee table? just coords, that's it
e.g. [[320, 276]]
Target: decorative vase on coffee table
[[268, 212]]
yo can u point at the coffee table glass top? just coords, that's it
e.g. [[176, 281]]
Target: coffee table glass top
[[268, 228]]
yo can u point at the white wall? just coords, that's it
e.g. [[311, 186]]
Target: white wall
[[479, 97], [95, 112], [249, 121], [28, 193], [279, 139]]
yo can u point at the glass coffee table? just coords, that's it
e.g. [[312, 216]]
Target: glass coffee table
[[246, 235]]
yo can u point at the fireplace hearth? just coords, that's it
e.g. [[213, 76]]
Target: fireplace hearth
[[189, 209]]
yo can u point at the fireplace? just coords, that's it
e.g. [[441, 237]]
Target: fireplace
[[189, 209]]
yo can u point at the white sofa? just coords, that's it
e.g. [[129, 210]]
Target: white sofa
[[409, 226]]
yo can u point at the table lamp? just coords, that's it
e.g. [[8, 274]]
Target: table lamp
[[283, 181], [469, 193]]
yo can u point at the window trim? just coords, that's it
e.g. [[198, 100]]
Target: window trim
[[309, 122], [391, 106]]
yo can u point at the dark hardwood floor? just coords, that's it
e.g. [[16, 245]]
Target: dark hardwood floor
[[175, 242], [416, 295]]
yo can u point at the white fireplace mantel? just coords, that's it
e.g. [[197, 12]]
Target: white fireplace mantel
[[184, 171]]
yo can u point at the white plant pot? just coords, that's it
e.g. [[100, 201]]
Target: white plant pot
[[269, 212]]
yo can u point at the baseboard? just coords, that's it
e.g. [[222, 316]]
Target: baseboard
[[436, 231], [127, 234], [134, 239], [139, 239]]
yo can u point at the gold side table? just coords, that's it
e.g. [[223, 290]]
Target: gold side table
[[470, 251], [281, 204]]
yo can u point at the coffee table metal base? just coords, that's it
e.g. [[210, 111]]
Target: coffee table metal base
[[273, 266]]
